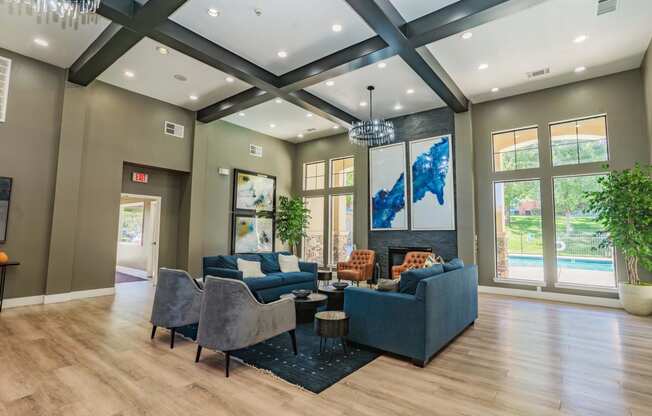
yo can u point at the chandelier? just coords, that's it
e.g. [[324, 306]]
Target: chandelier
[[372, 132], [62, 8]]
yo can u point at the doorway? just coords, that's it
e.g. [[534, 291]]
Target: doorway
[[138, 238]]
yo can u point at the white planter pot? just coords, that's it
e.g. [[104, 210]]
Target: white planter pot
[[636, 299]]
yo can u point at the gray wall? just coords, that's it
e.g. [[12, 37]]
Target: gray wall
[[224, 145], [647, 85], [29, 141], [620, 96]]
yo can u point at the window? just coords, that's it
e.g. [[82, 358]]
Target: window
[[516, 149], [313, 242], [579, 141], [519, 237], [313, 176], [580, 259], [132, 217], [341, 227], [342, 172]]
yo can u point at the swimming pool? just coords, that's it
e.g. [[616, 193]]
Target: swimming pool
[[606, 265]]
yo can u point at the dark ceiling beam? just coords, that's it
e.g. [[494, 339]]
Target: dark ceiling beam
[[385, 20], [130, 24], [236, 103]]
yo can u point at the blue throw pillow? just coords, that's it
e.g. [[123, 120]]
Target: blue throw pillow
[[410, 279], [269, 263], [453, 265], [226, 262]]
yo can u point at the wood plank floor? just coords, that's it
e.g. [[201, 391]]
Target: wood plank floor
[[523, 357]]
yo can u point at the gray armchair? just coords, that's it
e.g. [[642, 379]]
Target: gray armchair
[[231, 318], [177, 301]]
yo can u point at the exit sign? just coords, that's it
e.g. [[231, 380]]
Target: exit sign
[[139, 177]]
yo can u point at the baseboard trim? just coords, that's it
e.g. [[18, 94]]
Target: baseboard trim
[[552, 296], [131, 272], [57, 298]]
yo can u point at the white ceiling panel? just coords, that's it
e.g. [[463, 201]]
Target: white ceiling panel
[[154, 76], [285, 121], [543, 37], [300, 28], [19, 27], [413, 9], [393, 82]]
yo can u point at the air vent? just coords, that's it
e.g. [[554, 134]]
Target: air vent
[[607, 6], [255, 150], [5, 71], [173, 129], [538, 73], [311, 129]]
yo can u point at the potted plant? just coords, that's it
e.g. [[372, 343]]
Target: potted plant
[[292, 220], [624, 207]]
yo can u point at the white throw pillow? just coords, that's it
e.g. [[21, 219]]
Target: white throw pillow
[[250, 268], [288, 263]]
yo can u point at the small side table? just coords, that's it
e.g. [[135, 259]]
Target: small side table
[[331, 324], [3, 278], [306, 307], [324, 275], [335, 298]]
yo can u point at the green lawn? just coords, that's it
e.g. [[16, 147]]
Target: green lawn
[[525, 236]]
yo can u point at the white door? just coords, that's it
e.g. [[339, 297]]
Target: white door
[[156, 226]]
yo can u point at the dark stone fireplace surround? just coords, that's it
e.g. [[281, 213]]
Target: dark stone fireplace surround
[[443, 243]]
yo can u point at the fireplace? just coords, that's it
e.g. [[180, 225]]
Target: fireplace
[[396, 255]]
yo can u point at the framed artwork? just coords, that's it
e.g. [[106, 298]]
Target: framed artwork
[[5, 197], [253, 192], [432, 184], [252, 234], [387, 188]]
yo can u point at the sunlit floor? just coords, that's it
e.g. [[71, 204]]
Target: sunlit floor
[[523, 357]]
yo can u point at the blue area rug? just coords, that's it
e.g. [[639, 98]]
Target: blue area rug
[[308, 369]]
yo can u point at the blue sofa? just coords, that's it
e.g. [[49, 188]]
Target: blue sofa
[[415, 325], [274, 284]]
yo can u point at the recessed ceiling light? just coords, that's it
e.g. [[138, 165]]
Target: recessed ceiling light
[[180, 77], [409, 91], [495, 89], [580, 39], [336, 28], [162, 50], [483, 66], [241, 114], [278, 101], [129, 74], [42, 42], [398, 107], [213, 12], [300, 136], [336, 127], [330, 83], [363, 103], [580, 69], [308, 114], [229, 79], [272, 125], [467, 35], [193, 97], [282, 54], [382, 65]]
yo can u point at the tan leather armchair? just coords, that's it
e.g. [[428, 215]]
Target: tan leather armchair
[[413, 260], [360, 266]]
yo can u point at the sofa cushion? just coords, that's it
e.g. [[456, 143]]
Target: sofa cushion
[[410, 279], [269, 262], [289, 264], [292, 278], [250, 268], [453, 265], [226, 262], [260, 283]]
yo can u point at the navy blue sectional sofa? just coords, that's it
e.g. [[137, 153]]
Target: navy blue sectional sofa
[[432, 307], [274, 284]]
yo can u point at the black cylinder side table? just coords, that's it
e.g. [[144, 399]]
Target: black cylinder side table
[[331, 325]]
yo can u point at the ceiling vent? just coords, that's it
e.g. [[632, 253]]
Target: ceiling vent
[[5, 70], [255, 150], [607, 6], [538, 73], [173, 129]]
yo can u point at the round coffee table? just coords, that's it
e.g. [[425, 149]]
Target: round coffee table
[[306, 307], [331, 325], [335, 298], [324, 275]]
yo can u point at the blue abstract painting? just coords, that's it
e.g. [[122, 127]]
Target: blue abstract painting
[[432, 187], [387, 187]]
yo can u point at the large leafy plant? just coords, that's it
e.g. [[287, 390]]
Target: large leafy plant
[[292, 221], [624, 207]]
